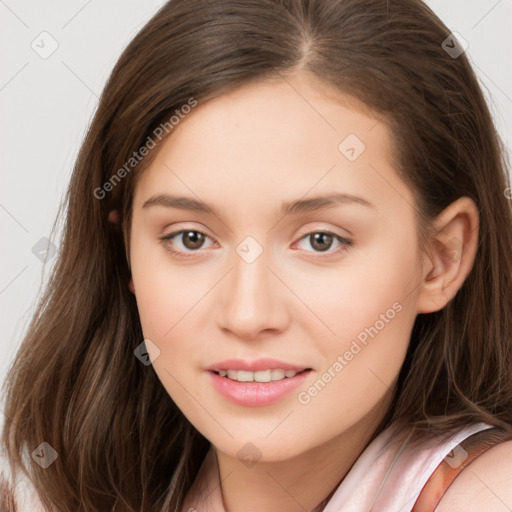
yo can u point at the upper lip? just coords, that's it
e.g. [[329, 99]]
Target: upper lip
[[254, 366]]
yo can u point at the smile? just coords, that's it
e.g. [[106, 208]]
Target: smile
[[259, 388], [259, 376]]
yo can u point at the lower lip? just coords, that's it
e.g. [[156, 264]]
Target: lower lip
[[253, 394]]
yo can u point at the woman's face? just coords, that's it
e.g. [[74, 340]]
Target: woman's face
[[264, 269]]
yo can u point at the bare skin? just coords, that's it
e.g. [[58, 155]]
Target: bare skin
[[245, 153]]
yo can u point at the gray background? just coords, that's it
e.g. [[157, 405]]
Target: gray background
[[47, 104]]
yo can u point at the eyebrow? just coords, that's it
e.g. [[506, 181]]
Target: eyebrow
[[287, 207]]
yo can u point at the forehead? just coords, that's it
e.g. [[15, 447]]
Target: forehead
[[273, 139]]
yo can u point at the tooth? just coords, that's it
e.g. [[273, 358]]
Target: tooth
[[232, 374], [278, 374], [244, 376], [263, 376], [259, 376]]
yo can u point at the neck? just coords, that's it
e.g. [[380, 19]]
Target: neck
[[301, 484]]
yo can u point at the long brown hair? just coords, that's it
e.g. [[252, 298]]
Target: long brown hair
[[122, 443]]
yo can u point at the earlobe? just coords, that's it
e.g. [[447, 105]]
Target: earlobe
[[451, 255], [131, 286]]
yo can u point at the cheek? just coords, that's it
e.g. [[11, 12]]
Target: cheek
[[171, 303], [370, 307], [361, 364], [164, 292], [166, 298], [373, 315], [365, 290]]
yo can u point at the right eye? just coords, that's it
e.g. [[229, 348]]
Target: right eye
[[190, 240]]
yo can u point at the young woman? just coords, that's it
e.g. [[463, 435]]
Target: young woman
[[284, 282]]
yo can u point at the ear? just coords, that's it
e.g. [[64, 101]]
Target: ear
[[113, 217], [131, 286], [451, 254]]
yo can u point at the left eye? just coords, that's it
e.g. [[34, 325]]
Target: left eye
[[323, 240], [192, 240]]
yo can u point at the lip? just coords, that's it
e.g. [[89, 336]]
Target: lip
[[256, 394], [255, 366]]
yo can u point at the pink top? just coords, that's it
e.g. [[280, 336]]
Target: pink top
[[390, 476]]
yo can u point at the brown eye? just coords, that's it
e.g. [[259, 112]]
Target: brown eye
[[184, 241], [193, 239], [321, 241]]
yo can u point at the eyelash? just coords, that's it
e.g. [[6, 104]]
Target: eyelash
[[345, 243]]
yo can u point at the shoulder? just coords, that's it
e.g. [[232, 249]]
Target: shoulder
[[486, 482]]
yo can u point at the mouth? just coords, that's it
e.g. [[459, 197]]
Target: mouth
[[256, 383], [268, 375]]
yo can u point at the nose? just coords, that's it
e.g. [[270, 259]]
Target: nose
[[252, 298]]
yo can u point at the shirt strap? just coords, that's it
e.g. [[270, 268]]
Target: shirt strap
[[454, 462]]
